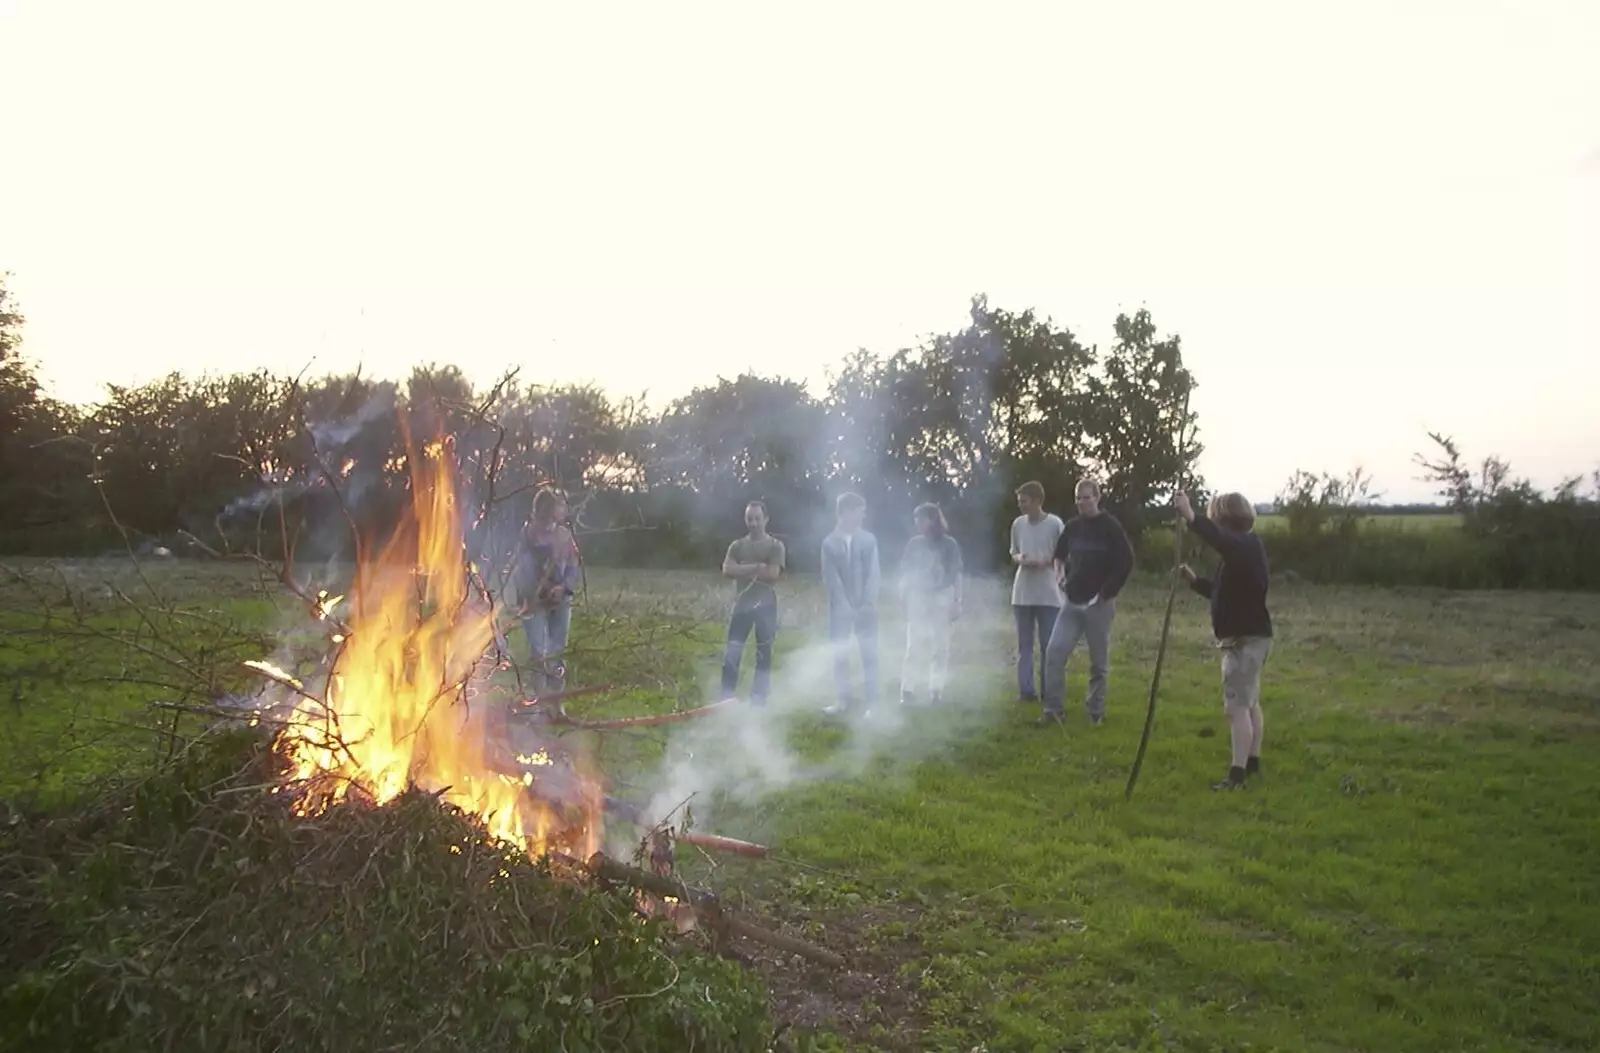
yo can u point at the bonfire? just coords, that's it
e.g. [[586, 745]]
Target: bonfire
[[407, 697]]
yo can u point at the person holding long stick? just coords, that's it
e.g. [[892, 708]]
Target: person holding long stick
[[1239, 618]]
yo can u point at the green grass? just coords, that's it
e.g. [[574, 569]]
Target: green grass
[[87, 646], [1414, 871]]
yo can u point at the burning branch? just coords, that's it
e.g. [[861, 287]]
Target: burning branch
[[320, 605]]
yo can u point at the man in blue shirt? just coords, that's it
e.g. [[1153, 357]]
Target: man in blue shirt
[[851, 572]]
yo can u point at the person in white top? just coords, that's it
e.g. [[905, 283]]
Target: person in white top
[[1035, 595]]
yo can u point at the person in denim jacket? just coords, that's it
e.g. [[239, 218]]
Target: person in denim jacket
[[547, 575]]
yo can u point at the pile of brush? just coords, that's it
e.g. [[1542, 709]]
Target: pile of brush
[[191, 910]]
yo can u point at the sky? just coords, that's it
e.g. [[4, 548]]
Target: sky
[[1366, 220]]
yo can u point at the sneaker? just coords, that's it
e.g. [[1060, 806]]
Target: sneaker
[[1028, 696], [936, 699], [1049, 719], [838, 709], [1234, 781], [908, 699], [1095, 720], [1252, 766]]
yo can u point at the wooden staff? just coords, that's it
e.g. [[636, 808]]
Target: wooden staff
[[1172, 595]]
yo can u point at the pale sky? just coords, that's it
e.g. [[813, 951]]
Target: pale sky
[[1366, 220]]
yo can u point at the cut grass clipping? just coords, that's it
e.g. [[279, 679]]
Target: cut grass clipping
[[191, 910]]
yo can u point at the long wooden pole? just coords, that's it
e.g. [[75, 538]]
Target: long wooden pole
[[1172, 596]]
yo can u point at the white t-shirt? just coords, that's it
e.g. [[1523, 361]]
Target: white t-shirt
[[1036, 586]]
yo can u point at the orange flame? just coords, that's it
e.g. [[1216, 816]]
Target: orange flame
[[399, 705]]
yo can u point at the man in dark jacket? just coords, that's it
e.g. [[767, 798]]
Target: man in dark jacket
[[1093, 559]]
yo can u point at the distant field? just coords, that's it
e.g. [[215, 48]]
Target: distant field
[[1416, 521], [1414, 872]]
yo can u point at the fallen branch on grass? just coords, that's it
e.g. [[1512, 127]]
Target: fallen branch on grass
[[638, 818], [649, 720], [709, 907], [549, 709]]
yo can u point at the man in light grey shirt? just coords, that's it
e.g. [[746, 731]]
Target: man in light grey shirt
[[1035, 596], [851, 572]]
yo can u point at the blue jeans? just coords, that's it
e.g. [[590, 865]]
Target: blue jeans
[[1032, 620], [844, 622], [1093, 626], [763, 618], [546, 629]]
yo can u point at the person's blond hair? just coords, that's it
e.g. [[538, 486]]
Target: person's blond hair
[[1091, 482], [1032, 488], [1233, 511]]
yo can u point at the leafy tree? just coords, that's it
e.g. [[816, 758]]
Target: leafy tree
[[1137, 398], [19, 386], [744, 438], [172, 453], [964, 419], [1313, 504]]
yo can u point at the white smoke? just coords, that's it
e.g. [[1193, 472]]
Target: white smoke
[[742, 754]]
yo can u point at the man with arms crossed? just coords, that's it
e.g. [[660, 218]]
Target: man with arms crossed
[[1035, 597], [1092, 561], [754, 563]]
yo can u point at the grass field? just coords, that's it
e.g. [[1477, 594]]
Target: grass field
[[1414, 871]]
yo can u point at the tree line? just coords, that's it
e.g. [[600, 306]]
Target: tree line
[[290, 465], [962, 419], [1506, 533]]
